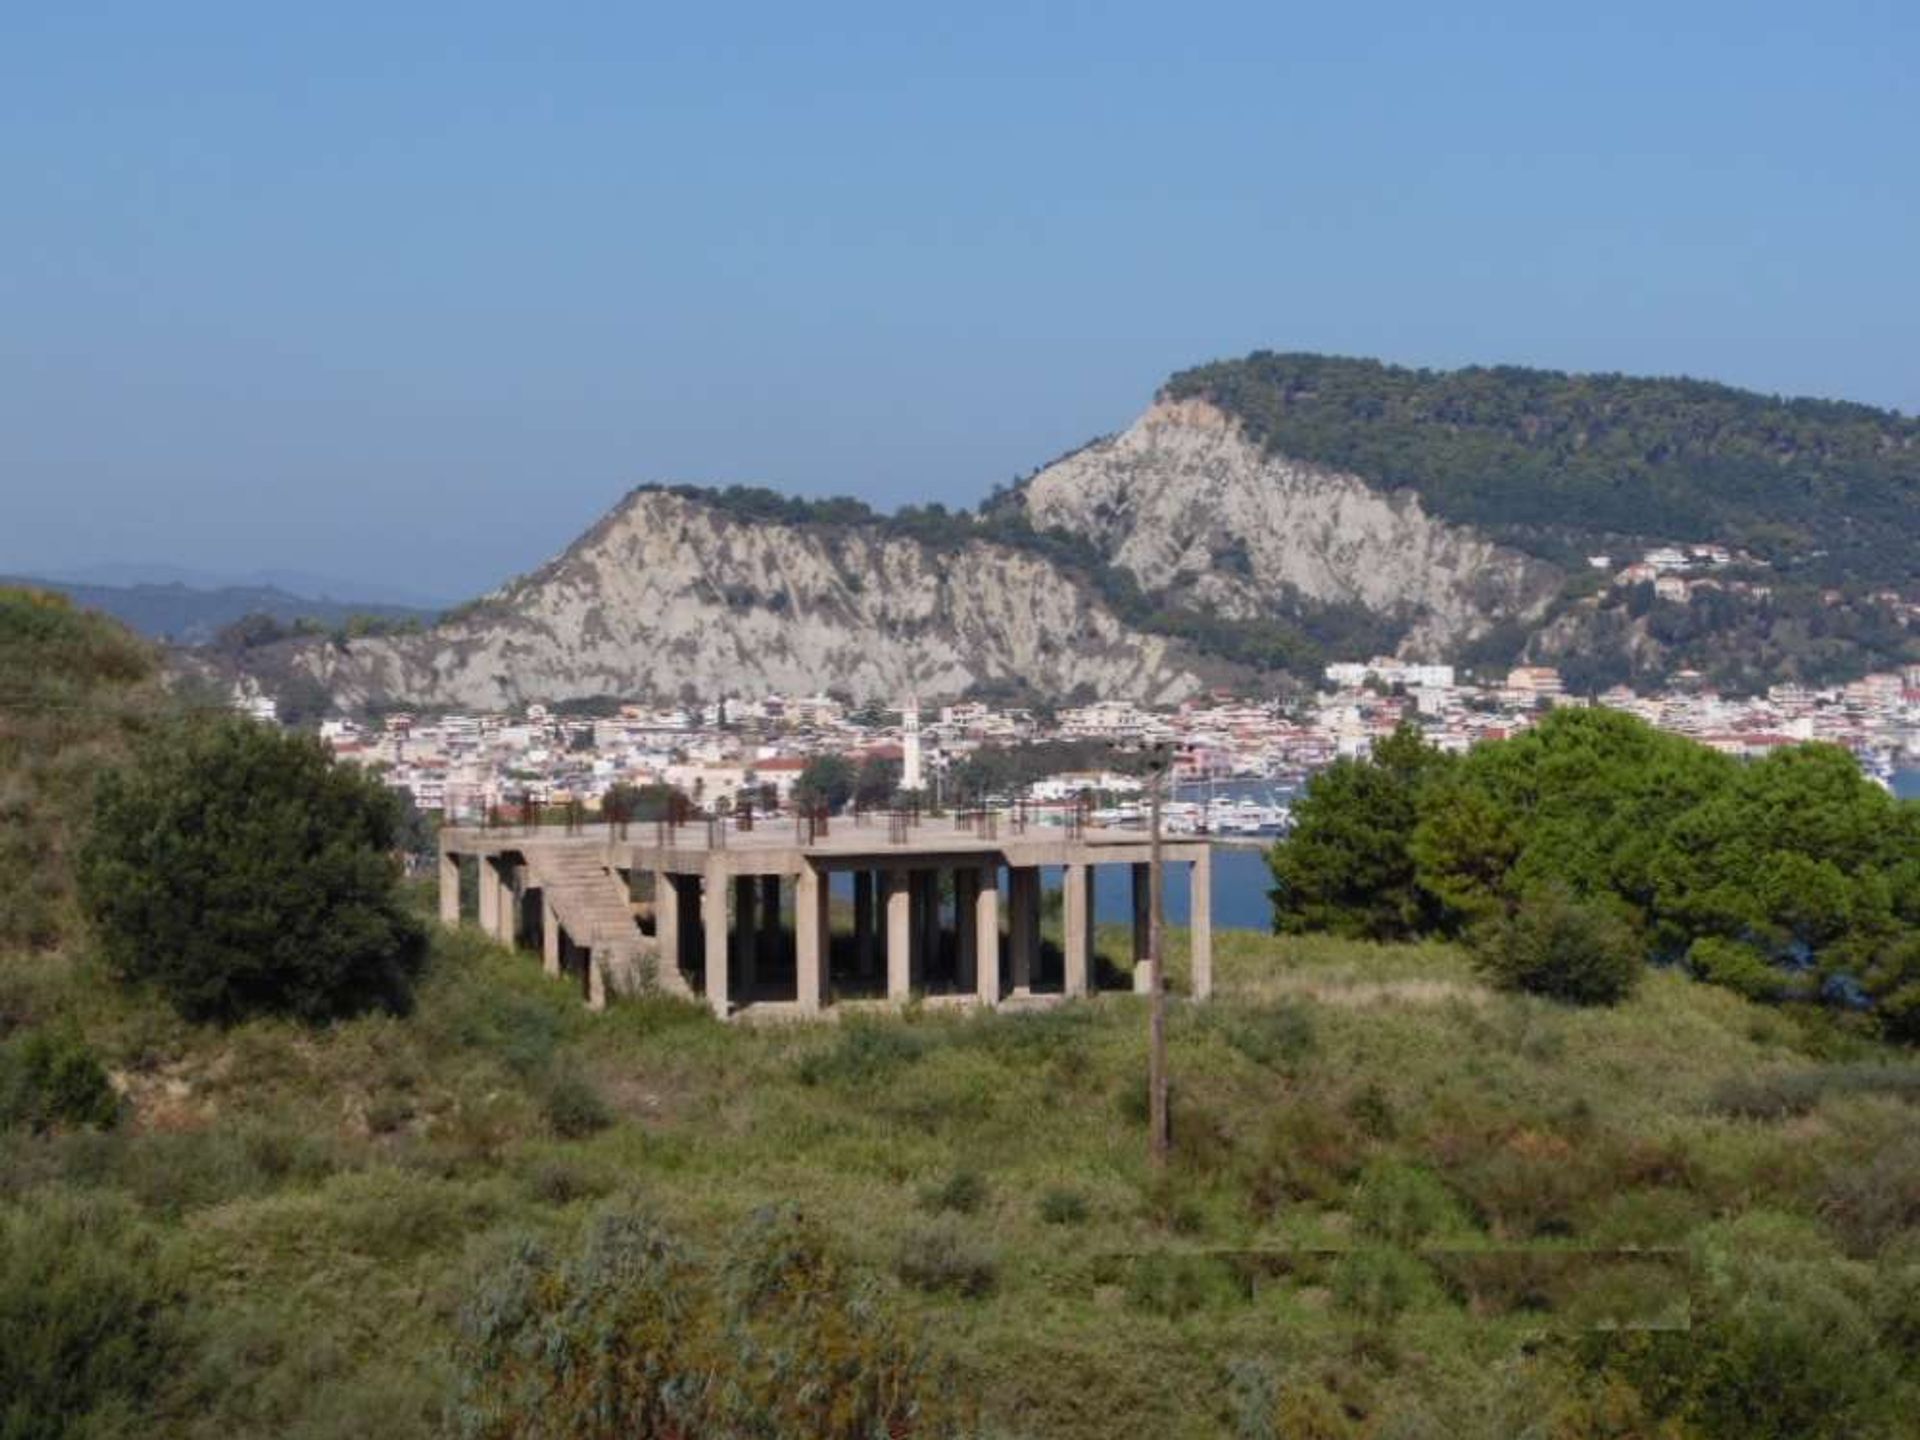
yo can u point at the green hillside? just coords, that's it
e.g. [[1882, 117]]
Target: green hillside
[[74, 686], [1556, 463], [1400, 1204]]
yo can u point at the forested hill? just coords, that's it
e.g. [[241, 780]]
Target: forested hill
[[1552, 462]]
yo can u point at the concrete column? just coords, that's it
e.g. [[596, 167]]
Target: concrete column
[[449, 889], [666, 922], [508, 912], [966, 938], [863, 917], [596, 983], [811, 938], [1200, 926], [489, 886], [713, 916], [746, 936], [1142, 892], [984, 923], [549, 936], [1078, 886], [1023, 925], [770, 928], [899, 903]]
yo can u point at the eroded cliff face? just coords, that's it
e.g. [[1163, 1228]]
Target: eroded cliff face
[[1192, 507], [671, 598]]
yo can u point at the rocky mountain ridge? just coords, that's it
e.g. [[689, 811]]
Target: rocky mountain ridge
[[1261, 517], [671, 598], [1188, 504]]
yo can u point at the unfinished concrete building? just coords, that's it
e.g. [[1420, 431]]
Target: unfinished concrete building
[[948, 909]]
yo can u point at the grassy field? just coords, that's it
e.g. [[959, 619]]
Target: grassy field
[[1400, 1205]]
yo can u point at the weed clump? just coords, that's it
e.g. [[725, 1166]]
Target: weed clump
[[1798, 1092], [1379, 1283], [962, 1193], [941, 1258], [1279, 1037], [50, 1078], [636, 1333], [1061, 1205], [1174, 1285], [572, 1108], [863, 1052], [89, 1317], [1403, 1204]]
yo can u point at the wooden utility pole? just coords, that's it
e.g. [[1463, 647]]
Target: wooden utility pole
[[1158, 1136]]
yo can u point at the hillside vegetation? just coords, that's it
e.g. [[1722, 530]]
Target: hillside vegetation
[[74, 689], [1401, 1204], [1792, 879], [1556, 462]]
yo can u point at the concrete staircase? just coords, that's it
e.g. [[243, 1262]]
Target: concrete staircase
[[591, 902]]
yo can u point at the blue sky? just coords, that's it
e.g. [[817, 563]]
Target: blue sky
[[413, 293]]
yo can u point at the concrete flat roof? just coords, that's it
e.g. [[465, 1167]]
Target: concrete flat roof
[[773, 847]]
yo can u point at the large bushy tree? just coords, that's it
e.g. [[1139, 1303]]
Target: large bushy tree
[[1583, 800], [1347, 865], [241, 871], [1791, 878], [1801, 866], [826, 780]]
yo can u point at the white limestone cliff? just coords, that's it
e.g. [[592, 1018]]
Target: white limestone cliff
[[1190, 505], [668, 597]]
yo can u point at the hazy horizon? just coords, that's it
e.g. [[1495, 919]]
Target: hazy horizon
[[399, 301]]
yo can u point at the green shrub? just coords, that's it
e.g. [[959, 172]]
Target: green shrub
[[963, 1193], [863, 1052], [1277, 1036], [943, 1259], [1403, 1204], [50, 1078], [1871, 1203], [1271, 1406], [1163, 1282], [1308, 1153], [554, 1181], [572, 1108], [1896, 1300], [1533, 1184], [1060, 1205], [1782, 1094], [1373, 1112], [1782, 1344], [1379, 1283], [522, 1029], [241, 871], [1561, 947], [636, 1334], [89, 1317], [1741, 968], [389, 1112]]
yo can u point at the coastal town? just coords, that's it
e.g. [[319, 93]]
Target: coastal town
[[461, 766]]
